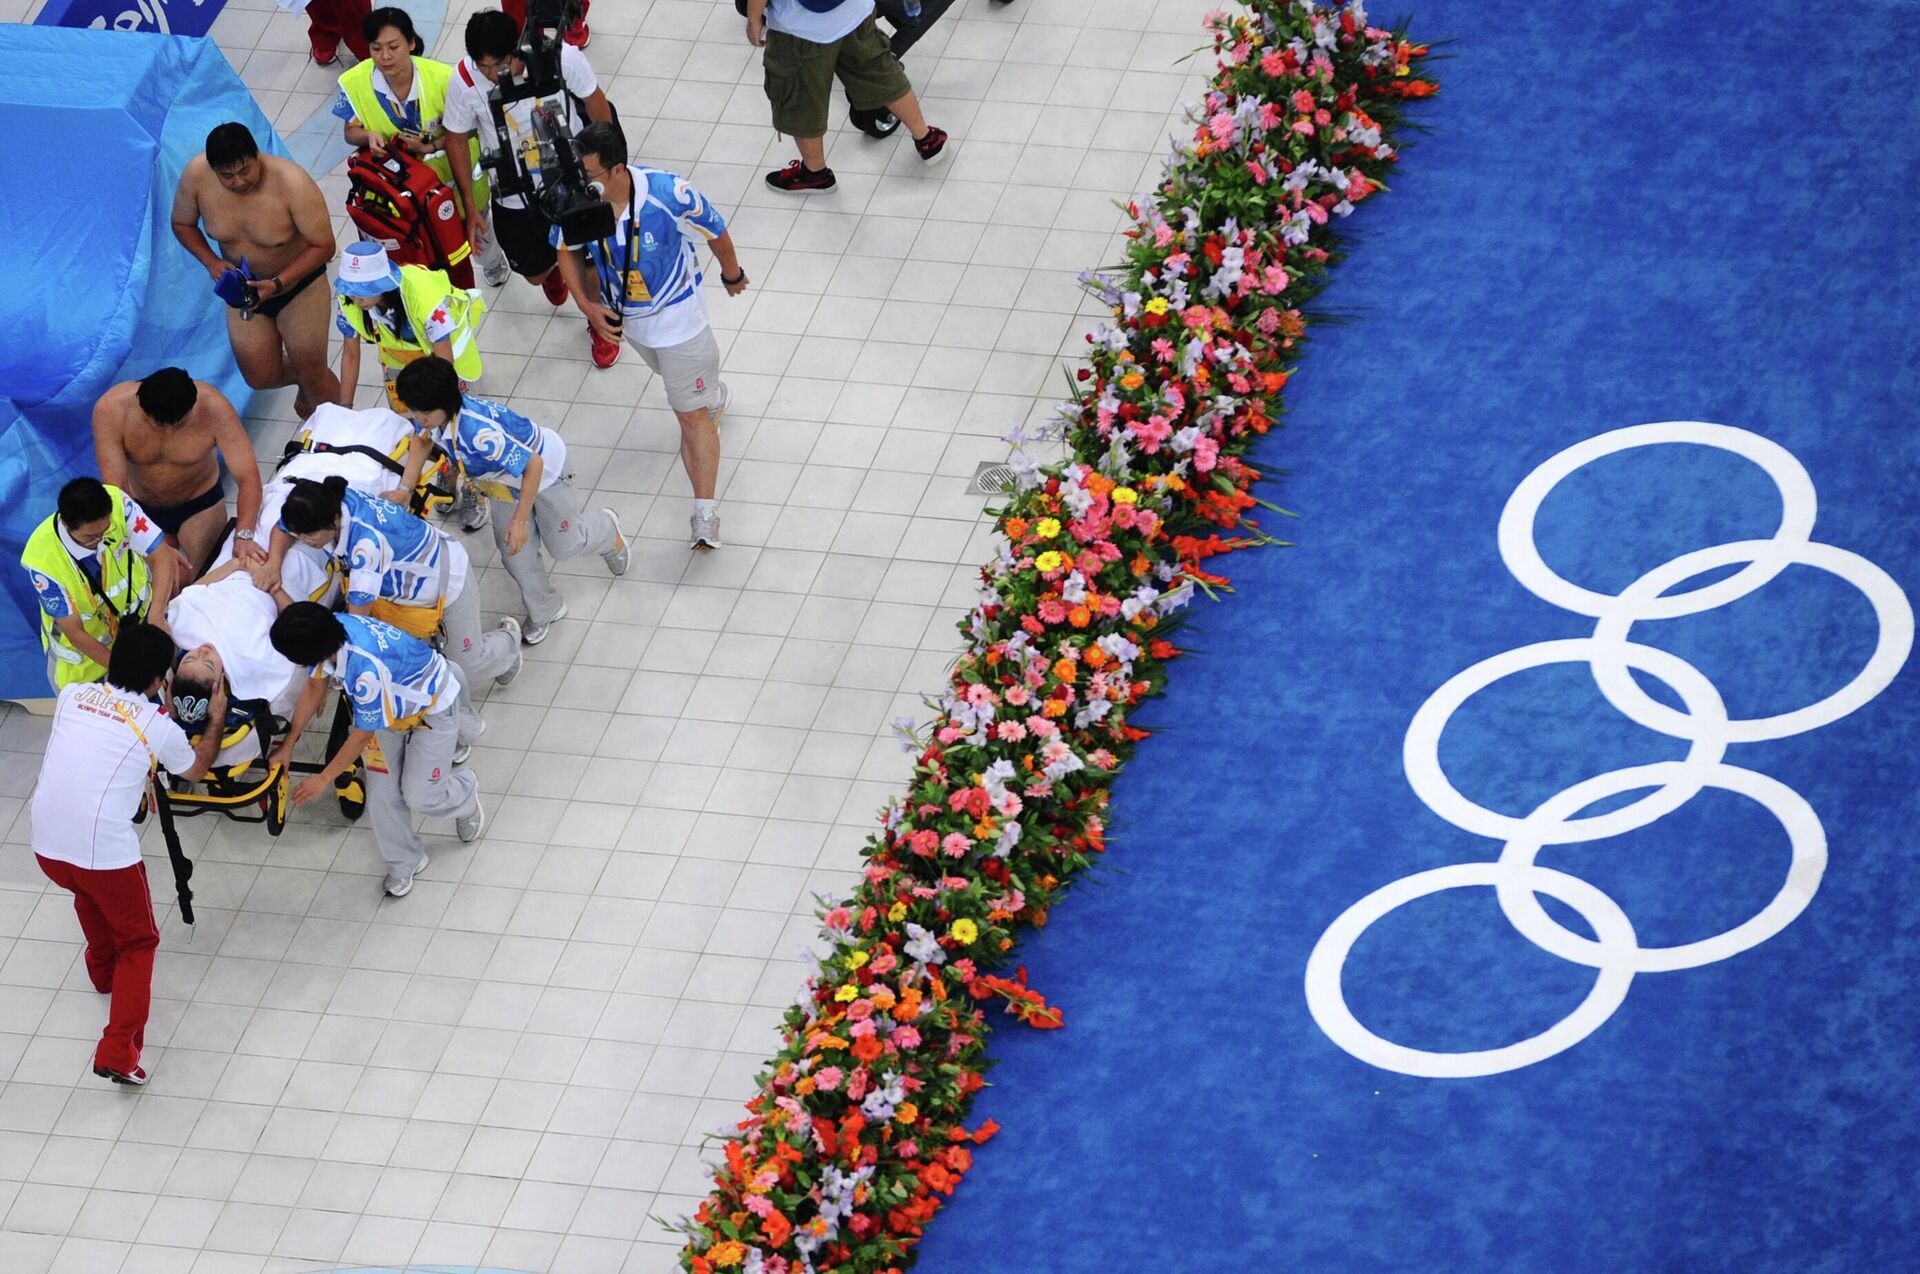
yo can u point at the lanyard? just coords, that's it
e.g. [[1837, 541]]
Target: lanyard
[[633, 242], [405, 121]]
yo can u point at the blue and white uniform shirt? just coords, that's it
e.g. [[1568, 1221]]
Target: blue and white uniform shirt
[[653, 248], [387, 675], [387, 552], [495, 443]]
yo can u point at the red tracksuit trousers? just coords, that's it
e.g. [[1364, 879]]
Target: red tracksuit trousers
[[116, 914], [330, 22]]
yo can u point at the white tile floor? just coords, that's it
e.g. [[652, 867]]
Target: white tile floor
[[515, 1065]]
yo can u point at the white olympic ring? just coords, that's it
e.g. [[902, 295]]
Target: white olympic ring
[[1614, 951]]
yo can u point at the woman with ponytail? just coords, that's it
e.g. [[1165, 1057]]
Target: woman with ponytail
[[400, 570]]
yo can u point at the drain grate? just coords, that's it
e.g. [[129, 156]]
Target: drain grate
[[992, 477]]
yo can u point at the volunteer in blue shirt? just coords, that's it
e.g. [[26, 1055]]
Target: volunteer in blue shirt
[[522, 468], [646, 289], [407, 720], [399, 570]]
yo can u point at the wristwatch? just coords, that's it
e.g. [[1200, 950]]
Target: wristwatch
[[244, 533]]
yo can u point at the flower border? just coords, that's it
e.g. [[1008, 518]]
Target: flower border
[[856, 1137]]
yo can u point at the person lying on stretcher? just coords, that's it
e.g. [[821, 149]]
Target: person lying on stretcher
[[222, 627]]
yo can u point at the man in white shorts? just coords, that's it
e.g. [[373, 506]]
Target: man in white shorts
[[652, 270]]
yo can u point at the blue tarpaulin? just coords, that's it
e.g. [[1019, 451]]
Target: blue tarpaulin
[[93, 287]]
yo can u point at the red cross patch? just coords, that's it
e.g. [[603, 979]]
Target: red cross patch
[[141, 525], [439, 315]]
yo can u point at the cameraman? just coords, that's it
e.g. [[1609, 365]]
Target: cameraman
[[518, 227], [644, 288]]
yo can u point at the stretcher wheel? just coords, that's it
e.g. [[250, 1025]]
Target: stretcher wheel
[[274, 805], [353, 797]]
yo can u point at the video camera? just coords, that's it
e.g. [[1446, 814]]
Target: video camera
[[544, 167]]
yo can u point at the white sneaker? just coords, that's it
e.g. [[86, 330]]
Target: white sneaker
[[465, 750], [468, 829], [475, 513], [494, 266], [532, 634], [511, 626], [401, 886], [706, 530], [622, 556]]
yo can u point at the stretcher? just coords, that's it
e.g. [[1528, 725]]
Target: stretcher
[[369, 449]]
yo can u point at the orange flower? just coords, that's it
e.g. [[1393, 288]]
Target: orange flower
[[866, 1048], [777, 1229], [1016, 527], [1099, 483], [1079, 617], [1133, 380], [1065, 670], [1054, 708], [1095, 657]]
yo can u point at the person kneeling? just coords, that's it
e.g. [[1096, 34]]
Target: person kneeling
[[106, 742], [521, 467], [405, 701]]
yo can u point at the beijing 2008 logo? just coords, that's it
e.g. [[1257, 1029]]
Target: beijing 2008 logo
[[1614, 952]]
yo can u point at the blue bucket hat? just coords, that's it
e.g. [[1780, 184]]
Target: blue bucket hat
[[366, 271]]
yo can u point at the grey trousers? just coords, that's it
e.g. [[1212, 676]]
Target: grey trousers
[[415, 775], [564, 530], [481, 654]]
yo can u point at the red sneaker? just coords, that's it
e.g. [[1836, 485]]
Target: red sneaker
[[578, 35], [604, 352], [326, 54], [555, 287], [796, 178]]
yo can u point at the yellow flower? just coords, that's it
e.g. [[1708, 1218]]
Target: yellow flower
[[1125, 495], [727, 1254], [897, 912], [964, 931], [1158, 305], [906, 1113], [857, 959], [847, 994], [1048, 561], [1047, 528]]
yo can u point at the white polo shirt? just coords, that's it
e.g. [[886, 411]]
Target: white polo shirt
[[468, 110], [95, 774]]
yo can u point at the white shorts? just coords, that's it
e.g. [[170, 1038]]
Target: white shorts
[[690, 370]]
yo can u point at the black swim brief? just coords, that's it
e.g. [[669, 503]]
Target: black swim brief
[[171, 517], [272, 306]]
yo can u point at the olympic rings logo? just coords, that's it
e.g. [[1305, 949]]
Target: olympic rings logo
[[1614, 952]]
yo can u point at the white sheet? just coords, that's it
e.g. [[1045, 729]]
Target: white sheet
[[304, 571], [235, 618]]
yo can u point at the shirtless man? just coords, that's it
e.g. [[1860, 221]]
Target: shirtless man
[[161, 440], [266, 211]]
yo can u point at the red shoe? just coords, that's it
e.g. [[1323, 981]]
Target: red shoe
[[555, 287], [578, 35], [326, 54], [604, 352], [796, 178]]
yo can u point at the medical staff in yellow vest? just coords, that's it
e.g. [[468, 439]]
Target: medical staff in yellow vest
[[396, 98], [407, 312], [97, 564]]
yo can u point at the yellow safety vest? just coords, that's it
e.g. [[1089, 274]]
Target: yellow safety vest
[[421, 291], [124, 580], [433, 78]]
